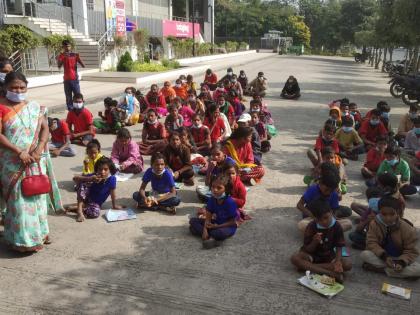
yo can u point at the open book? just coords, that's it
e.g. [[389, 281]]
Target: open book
[[120, 215]]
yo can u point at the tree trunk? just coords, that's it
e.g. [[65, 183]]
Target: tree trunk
[[378, 58], [384, 61], [391, 52]]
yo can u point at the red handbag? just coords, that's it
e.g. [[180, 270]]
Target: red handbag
[[33, 185]]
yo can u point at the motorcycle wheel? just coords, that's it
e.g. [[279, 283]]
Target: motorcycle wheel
[[408, 100], [396, 90], [357, 59]]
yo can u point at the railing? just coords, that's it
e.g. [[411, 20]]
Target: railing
[[103, 42], [17, 61]]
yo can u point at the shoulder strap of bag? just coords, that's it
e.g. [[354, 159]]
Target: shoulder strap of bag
[[18, 174]]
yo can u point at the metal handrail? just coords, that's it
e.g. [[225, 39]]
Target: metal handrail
[[16, 60], [102, 45]]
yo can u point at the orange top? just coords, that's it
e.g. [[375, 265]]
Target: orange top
[[168, 92], [181, 91]]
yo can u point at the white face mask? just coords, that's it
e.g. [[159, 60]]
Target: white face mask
[[2, 76], [197, 126], [230, 73], [178, 85], [78, 105], [15, 97], [158, 174], [152, 122]]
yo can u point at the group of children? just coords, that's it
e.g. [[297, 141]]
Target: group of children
[[188, 130], [387, 239]]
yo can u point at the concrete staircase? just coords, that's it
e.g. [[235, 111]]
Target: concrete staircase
[[85, 46]]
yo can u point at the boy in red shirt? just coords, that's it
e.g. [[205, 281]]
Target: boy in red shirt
[[60, 144], [215, 124], [210, 79], [326, 139], [371, 129], [374, 157], [80, 121], [201, 136], [69, 61]]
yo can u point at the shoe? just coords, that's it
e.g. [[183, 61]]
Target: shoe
[[170, 210], [252, 182]]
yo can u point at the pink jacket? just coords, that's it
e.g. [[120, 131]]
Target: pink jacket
[[126, 154]]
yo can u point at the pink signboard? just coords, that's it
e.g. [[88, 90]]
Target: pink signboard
[[180, 29]]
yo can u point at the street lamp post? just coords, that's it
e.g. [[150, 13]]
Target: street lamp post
[[193, 26], [212, 27]]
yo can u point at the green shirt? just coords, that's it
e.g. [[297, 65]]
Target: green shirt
[[401, 168]]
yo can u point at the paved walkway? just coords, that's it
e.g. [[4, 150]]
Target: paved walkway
[[152, 265]]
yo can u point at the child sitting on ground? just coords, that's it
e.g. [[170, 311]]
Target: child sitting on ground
[[60, 144], [174, 120], [335, 117], [367, 213], [108, 122], [415, 169], [374, 158], [394, 164], [391, 243], [181, 89], [256, 106], [130, 107], [215, 123], [326, 189], [371, 129], [357, 117], [238, 190], [153, 134], [80, 121], [94, 189], [125, 153], [178, 157], [186, 138], [323, 244], [291, 89], [201, 136], [350, 143], [221, 215], [187, 113], [325, 139], [93, 154], [262, 132], [163, 195]]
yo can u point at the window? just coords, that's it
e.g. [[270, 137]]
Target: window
[[90, 4]]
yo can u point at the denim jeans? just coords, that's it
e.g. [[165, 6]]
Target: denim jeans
[[71, 87]]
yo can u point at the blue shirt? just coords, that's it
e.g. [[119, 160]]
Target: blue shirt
[[162, 184], [99, 192], [223, 212], [313, 192]]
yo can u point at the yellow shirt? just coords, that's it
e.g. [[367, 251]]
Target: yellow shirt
[[348, 139], [89, 166]]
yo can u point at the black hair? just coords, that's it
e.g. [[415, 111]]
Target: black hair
[[189, 76], [105, 161], [327, 150], [107, 101], [413, 107], [114, 103], [352, 104], [330, 176], [391, 202], [416, 121], [347, 121], [78, 95], [4, 62], [221, 95], [123, 133], [151, 110], [94, 143], [174, 134], [260, 74], [344, 101], [319, 207], [254, 102], [65, 42], [131, 88], [380, 105], [216, 147], [375, 112], [226, 82], [229, 69], [373, 192], [385, 108], [225, 181], [389, 182], [241, 132], [12, 76], [211, 109], [393, 149], [328, 127], [51, 120], [157, 156], [197, 115], [228, 165], [208, 71]]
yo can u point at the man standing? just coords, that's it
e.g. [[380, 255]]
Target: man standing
[[69, 60]]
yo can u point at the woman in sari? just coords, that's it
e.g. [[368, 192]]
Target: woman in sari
[[23, 139], [239, 148]]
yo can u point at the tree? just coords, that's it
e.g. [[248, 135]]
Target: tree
[[298, 30], [141, 38]]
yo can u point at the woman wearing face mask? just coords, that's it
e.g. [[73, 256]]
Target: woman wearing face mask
[[258, 86], [236, 86], [5, 68], [243, 79], [155, 100], [23, 153], [406, 123], [210, 79], [227, 76]]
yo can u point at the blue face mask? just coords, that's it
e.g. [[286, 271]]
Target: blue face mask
[[417, 131], [15, 97], [222, 196], [347, 129], [373, 204], [374, 122], [2, 76], [325, 228], [385, 115], [412, 115], [392, 162]]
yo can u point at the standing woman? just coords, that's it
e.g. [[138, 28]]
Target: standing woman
[[23, 139]]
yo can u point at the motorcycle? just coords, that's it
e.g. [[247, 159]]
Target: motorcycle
[[411, 92], [358, 57]]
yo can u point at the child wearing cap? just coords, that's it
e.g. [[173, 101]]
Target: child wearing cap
[[245, 121]]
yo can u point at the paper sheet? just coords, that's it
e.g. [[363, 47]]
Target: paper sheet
[[122, 177], [120, 215]]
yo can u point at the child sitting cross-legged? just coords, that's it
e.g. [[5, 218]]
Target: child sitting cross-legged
[[125, 153], [153, 135], [221, 214], [374, 157], [163, 195], [94, 189], [110, 120], [201, 136], [325, 139], [326, 188], [93, 154], [391, 243], [323, 244], [351, 145]]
